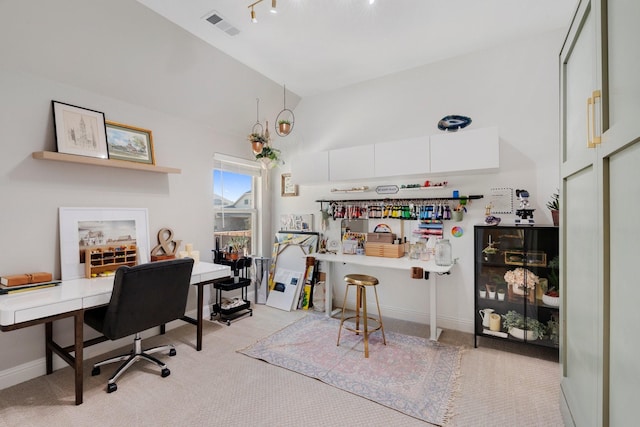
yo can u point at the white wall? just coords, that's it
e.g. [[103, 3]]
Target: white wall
[[120, 58], [513, 87]]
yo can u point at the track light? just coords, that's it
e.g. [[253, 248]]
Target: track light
[[253, 12]]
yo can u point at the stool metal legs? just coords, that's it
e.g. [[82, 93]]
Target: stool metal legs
[[361, 304]]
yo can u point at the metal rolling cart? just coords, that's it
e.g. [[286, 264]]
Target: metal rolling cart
[[227, 311]]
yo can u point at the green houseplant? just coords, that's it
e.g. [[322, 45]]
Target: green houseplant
[[269, 157], [554, 206], [515, 322], [236, 245]]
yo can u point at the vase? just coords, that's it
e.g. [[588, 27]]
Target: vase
[[284, 128], [555, 215], [257, 146], [523, 334]]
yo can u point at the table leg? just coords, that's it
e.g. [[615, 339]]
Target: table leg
[[48, 337], [434, 331], [199, 316], [78, 320], [328, 286]]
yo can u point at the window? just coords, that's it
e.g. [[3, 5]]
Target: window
[[236, 187]]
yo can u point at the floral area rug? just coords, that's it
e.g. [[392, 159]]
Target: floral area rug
[[412, 375]]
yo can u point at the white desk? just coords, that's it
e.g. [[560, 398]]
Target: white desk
[[71, 298], [394, 263]]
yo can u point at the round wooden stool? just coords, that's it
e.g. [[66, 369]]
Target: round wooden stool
[[361, 282]]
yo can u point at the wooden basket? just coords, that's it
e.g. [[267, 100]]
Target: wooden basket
[[384, 250]]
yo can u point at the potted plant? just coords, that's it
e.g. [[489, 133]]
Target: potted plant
[[522, 327], [236, 246], [554, 206], [269, 157], [490, 253], [501, 294], [258, 142], [284, 127], [552, 295]]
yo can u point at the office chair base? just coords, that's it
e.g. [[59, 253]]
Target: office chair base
[[132, 357]]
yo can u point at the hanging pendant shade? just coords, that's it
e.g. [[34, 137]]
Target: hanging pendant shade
[[285, 119]]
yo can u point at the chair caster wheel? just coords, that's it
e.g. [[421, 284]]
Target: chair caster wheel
[[165, 372], [172, 352], [112, 387], [95, 371], [228, 322]]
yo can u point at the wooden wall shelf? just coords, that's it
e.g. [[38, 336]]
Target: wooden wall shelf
[[72, 158]]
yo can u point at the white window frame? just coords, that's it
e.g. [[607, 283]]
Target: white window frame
[[234, 164]]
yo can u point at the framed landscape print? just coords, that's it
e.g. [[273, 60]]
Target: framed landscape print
[[130, 143], [79, 130]]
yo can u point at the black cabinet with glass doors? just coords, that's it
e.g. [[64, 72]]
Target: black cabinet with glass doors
[[517, 284]]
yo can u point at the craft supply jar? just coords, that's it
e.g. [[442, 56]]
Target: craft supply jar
[[443, 253]]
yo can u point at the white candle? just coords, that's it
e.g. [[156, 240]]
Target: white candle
[[183, 254], [188, 247], [196, 256]]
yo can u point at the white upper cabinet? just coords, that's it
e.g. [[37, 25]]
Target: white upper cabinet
[[469, 150], [351, 163], [403, 157], [310, 168]]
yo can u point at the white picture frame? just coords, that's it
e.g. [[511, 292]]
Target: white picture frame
[[79, 131], [70, 265]]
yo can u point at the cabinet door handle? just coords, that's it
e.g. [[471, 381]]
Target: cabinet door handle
[[590, 117], [597, 100], [593, 135]]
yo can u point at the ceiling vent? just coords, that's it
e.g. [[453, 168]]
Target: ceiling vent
[[220, 23]]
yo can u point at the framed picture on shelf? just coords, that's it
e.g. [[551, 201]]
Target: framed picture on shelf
[[87, 228], [287, 187], [129, 143], [79, 130]]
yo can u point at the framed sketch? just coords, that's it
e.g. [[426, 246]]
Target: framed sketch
[[129, 143], [84, 228], [287, 187], [79, 130]]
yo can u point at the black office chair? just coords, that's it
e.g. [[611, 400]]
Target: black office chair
[[144, 296]]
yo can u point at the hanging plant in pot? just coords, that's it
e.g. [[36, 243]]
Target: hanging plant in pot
[[258, 142], [269, 157], [284, 127]]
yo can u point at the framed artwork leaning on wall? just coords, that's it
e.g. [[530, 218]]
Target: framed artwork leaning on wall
[[79, 130], [129, 143]]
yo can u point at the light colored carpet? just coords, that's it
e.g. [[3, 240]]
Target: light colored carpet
[[412, 375], [218, 386]]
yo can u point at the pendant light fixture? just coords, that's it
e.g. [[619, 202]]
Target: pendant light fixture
[[257, 137], [285, 119]]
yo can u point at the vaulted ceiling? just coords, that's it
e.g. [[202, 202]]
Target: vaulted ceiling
[[314, 46]]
